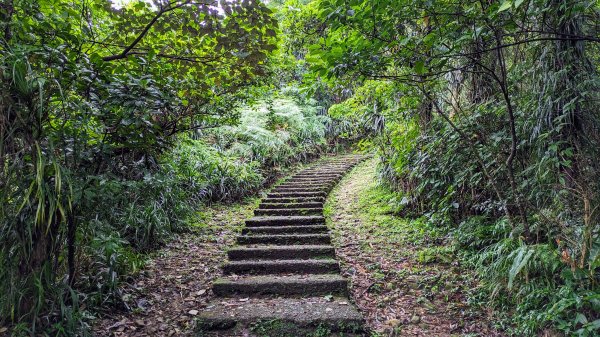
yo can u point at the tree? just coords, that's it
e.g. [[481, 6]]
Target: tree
[[89, 90]]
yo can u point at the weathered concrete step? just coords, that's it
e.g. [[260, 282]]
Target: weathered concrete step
[[324, 186], [325, 170], [275, 205], [307, 174], [308, 182], [317, 175], [296, 194], [299, 189], [285, 230], [320, 173], [262, 267], [284, 239], [330, 181], [309, 285], [294, 200], [300, 316], [288, 211], [297, 220], [282, 252], [311, 179]]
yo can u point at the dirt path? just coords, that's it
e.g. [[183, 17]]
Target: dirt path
[[405, 278], [166, 298]]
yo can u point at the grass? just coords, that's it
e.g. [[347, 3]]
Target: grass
[[279, 328]]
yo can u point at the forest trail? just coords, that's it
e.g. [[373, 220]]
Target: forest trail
[[283, 279], [398, 276]]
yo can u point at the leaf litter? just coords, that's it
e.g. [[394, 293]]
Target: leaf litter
[[175, 284]]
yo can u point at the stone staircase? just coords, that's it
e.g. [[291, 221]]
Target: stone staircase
[[283, 273]]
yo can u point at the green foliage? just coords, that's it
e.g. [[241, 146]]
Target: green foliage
[[92, 100], [292, 132], [481, 113]]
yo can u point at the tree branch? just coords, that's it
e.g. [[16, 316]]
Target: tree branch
[[127, 50]]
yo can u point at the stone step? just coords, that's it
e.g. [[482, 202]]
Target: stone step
[[309, 285], [296, 194], [262, 267], [288, 211], [293, 200], [332, 180], [305, 181], [313, 181], [281, 252], [323, 171], [284, 239], [325, 187], [300, 316], [309, 183], [285, 230], [300, 188], [327, 168], [317, 175], [276, 205], [297, 220]]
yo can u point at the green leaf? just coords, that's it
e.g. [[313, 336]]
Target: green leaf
[[420, 67], [523, 256], [505, 5]]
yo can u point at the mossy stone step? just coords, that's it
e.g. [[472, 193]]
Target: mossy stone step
[[287, 314], [293, 200], [321, 172], [312, 182], [318, 176], [285, 230], [316, 183], [314, 178], [292, 183], [288, 211], [262, 267], [292, 220], [324, 187], [300, 189], [279, 205], [326, 169], [284, 239], [281, 252], [309, 285], [296, 194]]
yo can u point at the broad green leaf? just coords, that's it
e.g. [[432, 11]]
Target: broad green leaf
[[420, 67], [505, 5]]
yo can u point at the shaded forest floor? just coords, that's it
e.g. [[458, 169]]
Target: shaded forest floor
[[176, 282], [404, 275]]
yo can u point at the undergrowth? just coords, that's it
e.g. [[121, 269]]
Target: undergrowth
[[135, 209]]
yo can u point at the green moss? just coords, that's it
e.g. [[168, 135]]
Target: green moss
[[279, 328]]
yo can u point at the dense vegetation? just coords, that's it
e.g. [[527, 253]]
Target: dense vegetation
[[109, 141], [485, 117], [117, 121]]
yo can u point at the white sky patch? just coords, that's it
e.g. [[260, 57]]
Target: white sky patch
[[122, 3]]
